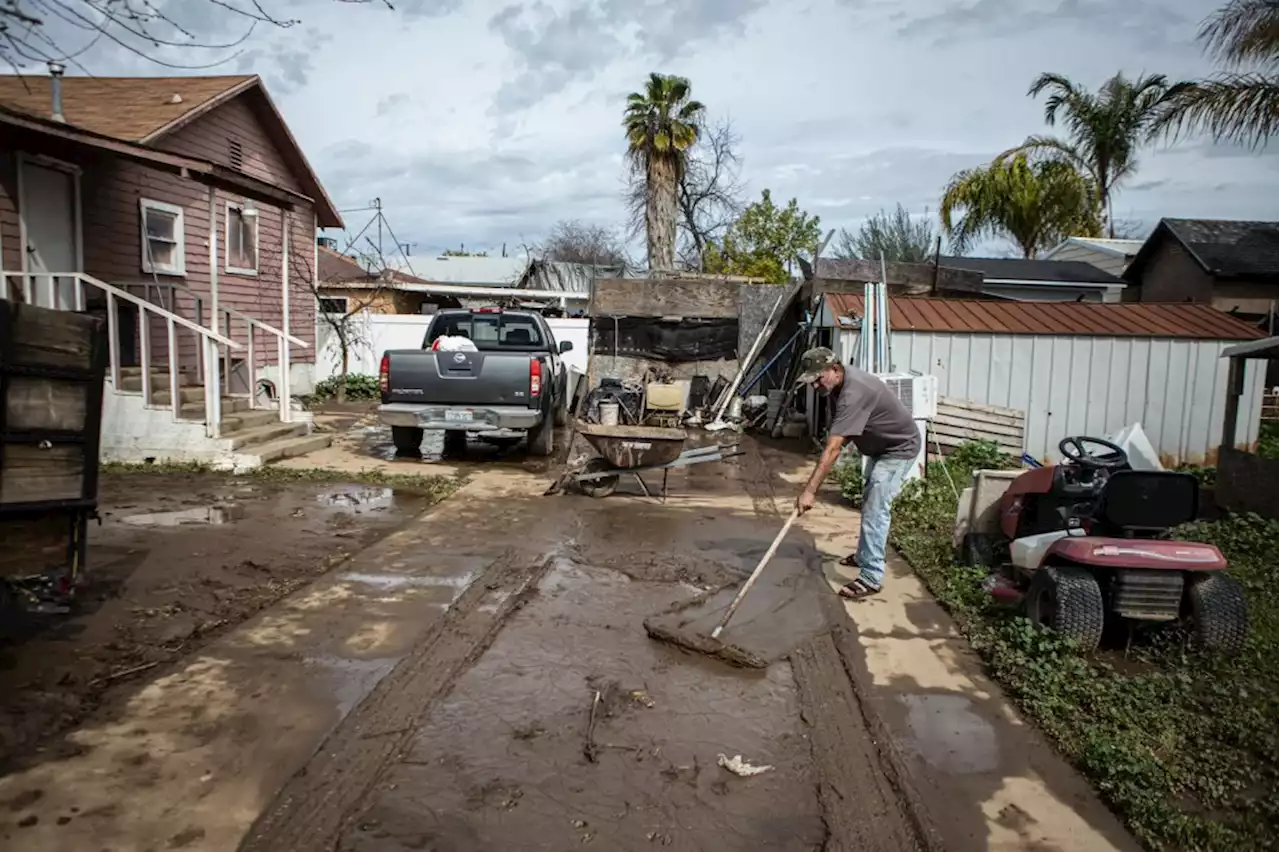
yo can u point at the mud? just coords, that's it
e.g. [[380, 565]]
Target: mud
[[510, 758], [177, 561]]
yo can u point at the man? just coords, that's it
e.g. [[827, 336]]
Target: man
[[881, 428]]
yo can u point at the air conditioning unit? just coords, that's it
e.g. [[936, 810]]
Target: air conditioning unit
[[918, 393]]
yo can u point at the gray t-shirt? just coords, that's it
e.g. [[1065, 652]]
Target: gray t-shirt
[[868, 412]]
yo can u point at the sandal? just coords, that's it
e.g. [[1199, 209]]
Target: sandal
[[850, 561], [858, 590]]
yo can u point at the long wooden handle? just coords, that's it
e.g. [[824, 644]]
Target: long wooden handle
[[746, 587]]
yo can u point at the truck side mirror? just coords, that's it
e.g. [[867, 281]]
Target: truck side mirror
[[565, 346]]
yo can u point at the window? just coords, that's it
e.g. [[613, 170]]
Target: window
[[242, 240], [488, 331], [333, 305], [163, 249]]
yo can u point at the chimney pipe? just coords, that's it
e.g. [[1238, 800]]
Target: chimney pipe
[[55, 85]]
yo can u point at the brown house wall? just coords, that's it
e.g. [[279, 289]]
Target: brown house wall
[[111, 191], [1172, 275]]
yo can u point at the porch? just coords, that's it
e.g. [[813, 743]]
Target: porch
[[202, 274]]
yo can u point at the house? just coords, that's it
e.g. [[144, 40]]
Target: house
[[1111, 256], [184, 211], [344, 286], [1071, 368], [1041, 280], [1229, 264]]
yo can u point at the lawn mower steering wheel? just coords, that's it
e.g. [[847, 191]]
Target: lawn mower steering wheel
[[1073, 448]]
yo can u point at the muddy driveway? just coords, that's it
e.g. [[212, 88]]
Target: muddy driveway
[[480, 679]]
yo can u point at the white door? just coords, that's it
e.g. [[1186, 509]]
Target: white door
[[49, 216]]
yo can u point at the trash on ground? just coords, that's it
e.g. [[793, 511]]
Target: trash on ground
[[740, 767]]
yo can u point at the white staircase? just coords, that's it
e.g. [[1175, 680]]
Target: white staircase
[[177, 403]]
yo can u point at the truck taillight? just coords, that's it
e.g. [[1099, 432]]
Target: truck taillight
[[384, 373], [535, 377]]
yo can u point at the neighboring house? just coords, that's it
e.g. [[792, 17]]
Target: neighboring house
[[473, 271], [344, 286], [151, 200], [1111, 256], [1229, 264], [1041, 280]]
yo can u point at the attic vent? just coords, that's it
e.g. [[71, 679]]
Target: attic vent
[[236, 154]]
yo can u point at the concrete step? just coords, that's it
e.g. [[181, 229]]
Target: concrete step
[[265, 434], [193, 393], [132, 382], [243, 420], [230, 406], [287, 448]]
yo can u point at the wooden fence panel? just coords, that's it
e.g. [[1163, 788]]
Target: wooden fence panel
[[959, 421]]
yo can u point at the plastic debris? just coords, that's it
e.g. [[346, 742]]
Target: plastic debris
[[740, 767]]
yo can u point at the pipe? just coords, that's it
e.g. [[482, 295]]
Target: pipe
[[55, 90]]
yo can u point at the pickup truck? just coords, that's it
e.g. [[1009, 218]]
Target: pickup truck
[[514, 382]]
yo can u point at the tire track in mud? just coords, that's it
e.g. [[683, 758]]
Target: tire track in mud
[[868, 803], [312, 809]]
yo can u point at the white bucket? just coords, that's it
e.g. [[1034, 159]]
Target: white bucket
[[608, 414], [776, 398]]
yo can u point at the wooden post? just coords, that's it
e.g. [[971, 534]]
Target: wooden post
[[1235, 387], [283, 390]]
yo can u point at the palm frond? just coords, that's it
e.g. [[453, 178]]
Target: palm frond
[[1229, 107], [1242, 32]]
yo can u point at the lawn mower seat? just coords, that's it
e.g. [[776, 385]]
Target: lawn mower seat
[[1135, 502]]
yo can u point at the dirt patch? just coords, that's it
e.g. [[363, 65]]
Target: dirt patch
[[314, 806], [177, 560]]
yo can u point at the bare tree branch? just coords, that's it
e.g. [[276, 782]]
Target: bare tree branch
[[574, 241]]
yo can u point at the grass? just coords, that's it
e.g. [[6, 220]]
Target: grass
[[1182, 746], [436, 488]]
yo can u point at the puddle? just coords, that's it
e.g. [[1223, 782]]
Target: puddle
[[950, 736], [390, 582], [357, 497], [353, 679], [219, 513]]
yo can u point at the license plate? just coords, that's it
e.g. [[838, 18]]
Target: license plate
[[458, 416]]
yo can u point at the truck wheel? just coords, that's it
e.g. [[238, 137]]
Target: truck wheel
[[1067, 600], [1219, 618], [561, 409], [602, 487], [542, 438], [406, 438], [455, 443]]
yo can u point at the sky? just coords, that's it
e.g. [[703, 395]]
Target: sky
[[483, 123]]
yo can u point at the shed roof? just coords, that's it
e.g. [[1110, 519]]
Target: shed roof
[[972, 316], [448, 269], [1224, 248], [1113, 248], [1033, 271]]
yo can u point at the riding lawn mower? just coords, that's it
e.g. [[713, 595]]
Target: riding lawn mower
[[1082, 544]]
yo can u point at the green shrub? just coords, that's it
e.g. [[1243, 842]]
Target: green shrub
[[360, 388], [1269, 439]]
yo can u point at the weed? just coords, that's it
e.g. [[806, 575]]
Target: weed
[[1185, 750]]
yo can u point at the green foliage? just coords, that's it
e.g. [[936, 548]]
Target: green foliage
[[1208, 476], [360, 388], [1035, 205], [764, 240], [1268, 445], [897, 236], [1182, 746]]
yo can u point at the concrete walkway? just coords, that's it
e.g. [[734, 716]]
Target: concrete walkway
[[988, 780]]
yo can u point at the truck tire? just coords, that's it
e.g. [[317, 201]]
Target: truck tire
[[1068, 601], [562, 412], [1219, 617], [542, 438], [406, 438]]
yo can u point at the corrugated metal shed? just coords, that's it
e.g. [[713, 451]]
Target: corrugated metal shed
[[1077, 369], [972, 316]]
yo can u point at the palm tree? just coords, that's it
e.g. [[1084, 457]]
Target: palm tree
[[1239, 103], [662, 124], [1105, 129], [1035, 204]]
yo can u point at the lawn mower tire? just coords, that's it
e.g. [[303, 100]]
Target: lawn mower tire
[[1068, 601], [978, 550], [1219, 617]]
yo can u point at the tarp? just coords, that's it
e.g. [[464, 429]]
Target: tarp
[[667, 340]]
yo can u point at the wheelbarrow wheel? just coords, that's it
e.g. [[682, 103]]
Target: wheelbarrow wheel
[[602, 487]]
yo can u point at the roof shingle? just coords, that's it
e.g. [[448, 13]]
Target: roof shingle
[[1230, 248], [972, 316], [128, 108]]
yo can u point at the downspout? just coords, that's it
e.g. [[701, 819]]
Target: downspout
[[286, 410]]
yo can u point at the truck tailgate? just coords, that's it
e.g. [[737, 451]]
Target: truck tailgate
[[459, 378]]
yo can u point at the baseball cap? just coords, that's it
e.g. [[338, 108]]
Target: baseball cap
[[814, 362]]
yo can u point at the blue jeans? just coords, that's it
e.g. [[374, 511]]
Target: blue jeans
[[884, 479]]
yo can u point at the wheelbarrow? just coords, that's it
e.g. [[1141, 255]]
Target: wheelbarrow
[[636, 449]]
